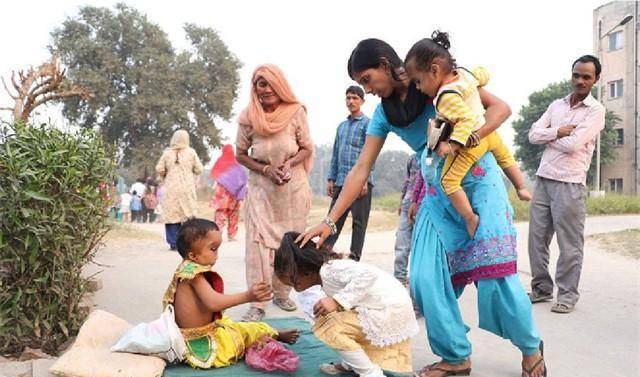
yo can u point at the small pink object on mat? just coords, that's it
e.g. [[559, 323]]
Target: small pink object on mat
[[269, 355]]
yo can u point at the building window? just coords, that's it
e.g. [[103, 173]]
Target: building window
[[619, 137], [615, 41], [615, 185], [615, 89]]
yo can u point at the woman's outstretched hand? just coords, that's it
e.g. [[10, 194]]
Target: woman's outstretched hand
[[321, 230]]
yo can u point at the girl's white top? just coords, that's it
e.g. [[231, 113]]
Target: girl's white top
[[383, 304]]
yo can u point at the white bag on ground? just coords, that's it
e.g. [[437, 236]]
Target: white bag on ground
[[161, 338]]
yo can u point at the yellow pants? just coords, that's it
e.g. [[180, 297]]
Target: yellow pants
[[342, 331], [456, 167], [223, 342]]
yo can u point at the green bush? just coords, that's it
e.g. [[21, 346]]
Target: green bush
[[53, 215], [610, 204]]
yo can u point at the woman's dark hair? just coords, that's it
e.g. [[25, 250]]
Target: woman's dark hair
[[372, 53], [427, 50], [292, 260], [589, 59]]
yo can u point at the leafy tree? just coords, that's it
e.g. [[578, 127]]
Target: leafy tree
[[529, 154], [143, 88]]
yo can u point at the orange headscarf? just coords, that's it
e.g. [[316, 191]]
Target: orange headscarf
[[265, 124]]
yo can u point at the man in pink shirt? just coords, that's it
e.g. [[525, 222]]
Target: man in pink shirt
[[568, 129]]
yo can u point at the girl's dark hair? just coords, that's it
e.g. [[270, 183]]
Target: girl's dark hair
[[372, 53], [426, 50], [292, 260]]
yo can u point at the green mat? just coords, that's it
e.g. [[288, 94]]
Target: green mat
[[312, 353]]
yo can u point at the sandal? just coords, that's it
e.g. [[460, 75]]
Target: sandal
[[253, 315], [536, 297], [285, 304], [435, 367], [562, 308], [527, 372], [334, 369]]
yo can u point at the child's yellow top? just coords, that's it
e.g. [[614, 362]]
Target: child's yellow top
[[223, 341], [187, 270], [459, 103]]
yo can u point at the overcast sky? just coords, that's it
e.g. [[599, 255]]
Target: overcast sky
[[524, 44]]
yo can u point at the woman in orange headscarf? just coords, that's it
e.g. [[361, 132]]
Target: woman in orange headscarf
[[274, 127]]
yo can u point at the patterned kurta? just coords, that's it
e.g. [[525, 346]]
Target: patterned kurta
[[179, 202], [222, 199], [272, 210], [227, 210]]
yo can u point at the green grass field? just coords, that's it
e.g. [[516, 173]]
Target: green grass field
[[384, 211], [606, 205]]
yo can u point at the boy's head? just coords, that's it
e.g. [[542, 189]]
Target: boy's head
[[429, 61], [354, 98], [199, 240], [299, 267]]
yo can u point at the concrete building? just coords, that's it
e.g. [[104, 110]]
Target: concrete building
[[615, 42]]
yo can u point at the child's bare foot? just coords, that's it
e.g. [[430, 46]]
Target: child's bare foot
[[472, 223], [524, 194], [288, 336]]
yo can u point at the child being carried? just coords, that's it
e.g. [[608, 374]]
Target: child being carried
[[456, 97]]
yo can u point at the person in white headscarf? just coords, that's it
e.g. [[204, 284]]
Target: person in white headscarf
[[178, 168]]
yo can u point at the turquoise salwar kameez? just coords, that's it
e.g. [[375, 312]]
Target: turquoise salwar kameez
[[444, 260]]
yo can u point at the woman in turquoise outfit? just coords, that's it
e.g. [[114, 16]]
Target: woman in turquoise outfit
[[444, 260]]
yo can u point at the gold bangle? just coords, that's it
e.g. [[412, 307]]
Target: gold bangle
[[264, 169]]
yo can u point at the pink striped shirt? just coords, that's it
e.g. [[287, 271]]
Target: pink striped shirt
[[567, 159]]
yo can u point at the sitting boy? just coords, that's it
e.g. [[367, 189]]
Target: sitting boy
[[197, 294]]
